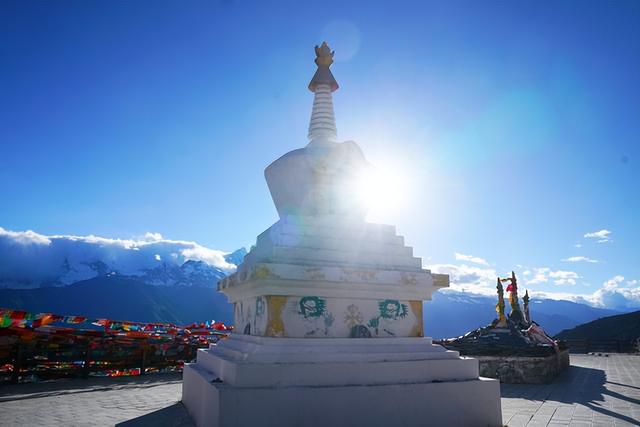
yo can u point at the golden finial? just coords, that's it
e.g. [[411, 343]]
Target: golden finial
[[324, 59], [324, 55]]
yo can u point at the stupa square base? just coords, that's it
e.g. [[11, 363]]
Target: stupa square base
[[449, 403]]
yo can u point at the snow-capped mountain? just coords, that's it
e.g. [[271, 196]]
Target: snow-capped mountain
[[156, 279], [191, 273], [236, 257], [29, 260]]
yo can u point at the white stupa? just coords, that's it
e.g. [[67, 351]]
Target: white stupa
[[328, 311]]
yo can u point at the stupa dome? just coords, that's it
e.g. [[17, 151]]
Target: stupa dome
[[321, 179]]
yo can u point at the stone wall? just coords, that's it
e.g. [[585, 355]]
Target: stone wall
[[523, 370]]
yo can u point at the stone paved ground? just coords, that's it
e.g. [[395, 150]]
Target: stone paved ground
[[152, 400], [595, 391]]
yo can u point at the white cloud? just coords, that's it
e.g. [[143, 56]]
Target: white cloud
[[558, 277], [617, 293], [613, 283], [468, 278], [580, 259], [24, 237], [601, 235], [577, 245], [153, 237], [471, 258], [539, 275], [480, 280], [29, 259], [210, 256], [565, 296], [561, 277]]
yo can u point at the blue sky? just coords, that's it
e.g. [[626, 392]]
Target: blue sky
[[514, 125]]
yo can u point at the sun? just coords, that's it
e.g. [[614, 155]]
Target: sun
[[383, 190]]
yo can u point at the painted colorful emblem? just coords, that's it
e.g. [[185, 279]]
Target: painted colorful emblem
[[312, 307], [392, 309]]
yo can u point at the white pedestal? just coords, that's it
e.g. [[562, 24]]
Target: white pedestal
[[251, 381]]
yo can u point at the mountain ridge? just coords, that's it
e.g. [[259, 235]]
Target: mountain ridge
[[453, 313], [156, 279], [618, 327], [123, 298], [189, 273], [449, 314]]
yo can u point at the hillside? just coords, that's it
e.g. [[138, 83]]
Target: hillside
[[119, 298], [621, 327]]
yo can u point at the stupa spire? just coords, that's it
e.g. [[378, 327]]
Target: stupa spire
[[322, 126]]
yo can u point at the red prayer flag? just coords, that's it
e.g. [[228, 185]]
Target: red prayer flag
[[18, 315]]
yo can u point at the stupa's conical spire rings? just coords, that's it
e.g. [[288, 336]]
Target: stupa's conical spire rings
[[322, 126]]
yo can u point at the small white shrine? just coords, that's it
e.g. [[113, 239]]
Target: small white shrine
[[328, 311]]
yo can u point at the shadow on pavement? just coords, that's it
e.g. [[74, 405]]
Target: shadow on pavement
[[623, 385], [172, 416], [61, 387], [577, 385]]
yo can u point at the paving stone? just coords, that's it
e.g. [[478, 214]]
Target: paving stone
[[595, 391]]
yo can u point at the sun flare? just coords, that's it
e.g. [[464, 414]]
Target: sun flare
[[384, 191]]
